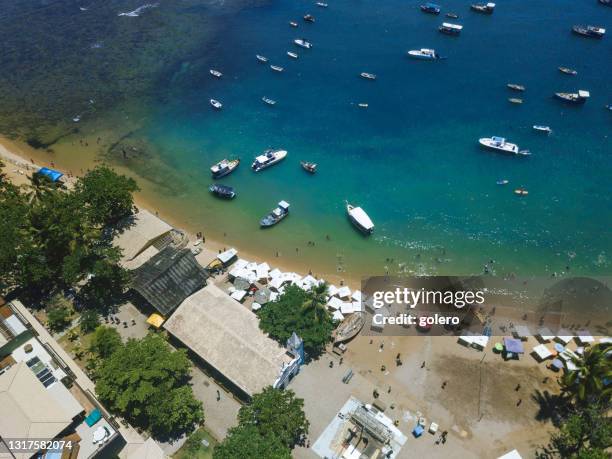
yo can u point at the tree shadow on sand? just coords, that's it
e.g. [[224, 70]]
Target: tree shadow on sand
[[552, 407]]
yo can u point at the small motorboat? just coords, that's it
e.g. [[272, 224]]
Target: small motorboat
[[578, 98], [269, 158], [589, 31], [359, 218], [293, 24], [424, 54], [224, 167], [450, 29], [215, 73], [268, 101], [261, 58], [367, 76], [484, 8], [430, 8], [309, 167], [568, 71], [501, 145], [322, 5], [309, 18], [502, 182], [515, 87], [452, 15], [276, 215], [216, 104], [222, 191], [363, 105], [292, 55], [515, 100], [521, 192], [540, 128], [301, 42], [276, 68], [609, 107]]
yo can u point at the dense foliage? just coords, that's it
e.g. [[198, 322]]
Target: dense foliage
[[58, 317], [105, 341], [587, 383], [245, 442], [147, 383], [301, 312]]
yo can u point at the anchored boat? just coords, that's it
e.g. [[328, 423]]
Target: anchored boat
[[424, 54], [292, 55], [367, 76], [261, 58], [521, 192], [215, 73], [499, 144], [430, 8], [276, 215], [224, 167], [515, 100], [293, 24], [308, 166], [568, 71], [216, 104], [578, 98], [484, 8], [540, 128], [516, 87], [276, 68], [309, 18], [359, 218], [452, 15], [302, 43], [222, 191], [268, 101], [589, 31], [450, 29], [269, 158]]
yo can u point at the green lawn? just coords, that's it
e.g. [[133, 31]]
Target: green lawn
[[193, 447]]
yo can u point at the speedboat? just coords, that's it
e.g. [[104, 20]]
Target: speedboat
[[363, 105], [309, 18], [269, 158], [515, 100], [303, 43], [359, 218], [424, 54], [589, 31], [568, 71], [276, 68], [268, 101], [216, 104], [224, 167], [515, 87], [485, 8], [430, 8], [450, 29], [309, 167], [276, 215], [223, 191], [499, 144], [292, 55], [502, 182], [573, 98], [367, 76], [293, 24], [261, 58], [452, 15], [215, 73], [322, 5], [521, 192], [539, 128]]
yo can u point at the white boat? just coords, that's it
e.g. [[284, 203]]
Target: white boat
[[276, 215], [215, 73], [261, 58], [216, 104], [322, 5], [500, 144], [424, 53], [268, 101], [269, 158], [293, 24], [450, 29], [360, 219], [540, 128], [302, 43], [363, 105], [224, 167], [292, 55], [367, 76], [276, 68]]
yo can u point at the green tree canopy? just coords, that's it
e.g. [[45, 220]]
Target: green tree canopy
[[58, 317], [105, 341], [246, 442], [276, 412], [301, 312], [146, 382], [586, 383], [13, 228], [89, 320]]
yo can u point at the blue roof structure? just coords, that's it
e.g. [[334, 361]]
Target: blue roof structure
[[514, 345], [51, 174], [418, 430]]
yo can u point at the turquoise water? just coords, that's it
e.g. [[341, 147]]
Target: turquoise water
[[411, 159]]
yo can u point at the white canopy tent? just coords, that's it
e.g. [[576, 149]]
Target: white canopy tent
[[542, 352]]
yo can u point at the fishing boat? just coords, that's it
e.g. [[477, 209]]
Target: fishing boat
[[363, 105], [515, 100], [302, 43], [540, 128], [276, 68], [502, 182], [349, 328], [216, 104], [515, 87], [578, 98], [322, 5], [359, 218], [499, 144], [521, 192], [222, 191], [430, 8], [261, 58], [589, 31], [424, 54], [568, 71], [215, 73], [269, 158], [268, 101], [484, 8], [277, 214], [309, 167], [452, 15], [292, 55], [367, 76], [309, 18], [224, 167], [293, 24], [450, 29]]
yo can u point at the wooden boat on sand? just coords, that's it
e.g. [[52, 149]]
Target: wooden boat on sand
[[349, 328]]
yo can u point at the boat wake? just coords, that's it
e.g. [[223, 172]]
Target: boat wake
[[137, 11]]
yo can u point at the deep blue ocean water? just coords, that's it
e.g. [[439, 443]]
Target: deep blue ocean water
[[411, 159]]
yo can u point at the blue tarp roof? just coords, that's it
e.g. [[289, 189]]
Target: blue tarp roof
[[418, 430], [514, 345], [51, 174]]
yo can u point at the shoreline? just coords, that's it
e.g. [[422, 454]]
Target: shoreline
[[20, 155]]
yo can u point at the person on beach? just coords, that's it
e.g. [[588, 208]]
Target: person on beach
[[218, 395], [423, 364]]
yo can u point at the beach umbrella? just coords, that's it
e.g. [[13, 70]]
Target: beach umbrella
[[262, 296], [559, 347], [241, 283], [255, 306], [499, 347], [557, 364]]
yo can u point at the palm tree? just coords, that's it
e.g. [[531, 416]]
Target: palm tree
[[316, 300], [592, 379]]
